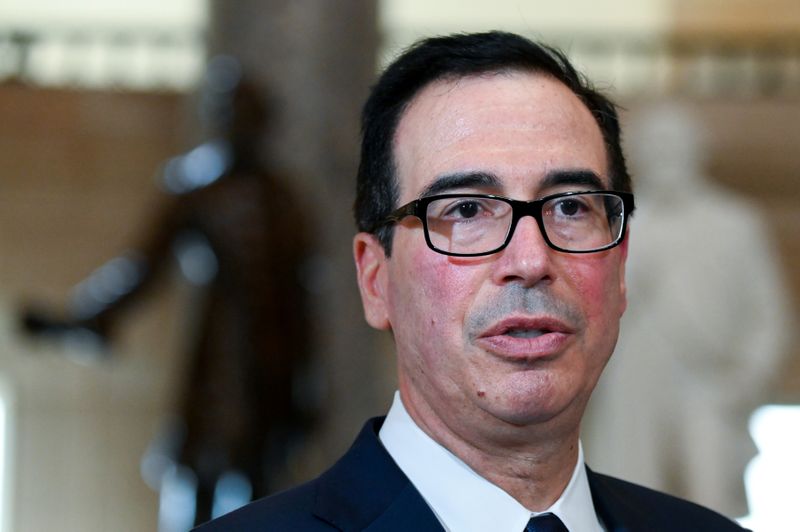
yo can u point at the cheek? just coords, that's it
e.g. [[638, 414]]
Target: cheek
[[597, 283], [448, 281], [431, 293]]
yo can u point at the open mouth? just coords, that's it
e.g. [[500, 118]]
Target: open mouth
[[526, 333], [526, 337]]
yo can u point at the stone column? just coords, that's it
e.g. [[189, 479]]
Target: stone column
[[317, 60]]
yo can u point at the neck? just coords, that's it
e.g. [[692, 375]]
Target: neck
[[533, 464]]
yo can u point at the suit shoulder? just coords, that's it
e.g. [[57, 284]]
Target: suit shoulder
[[348, 496], [658, 510], [288, 510]]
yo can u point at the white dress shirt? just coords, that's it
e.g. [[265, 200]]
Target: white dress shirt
[[462, 500]]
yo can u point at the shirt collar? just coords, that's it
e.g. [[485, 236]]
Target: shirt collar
[[464, 501]]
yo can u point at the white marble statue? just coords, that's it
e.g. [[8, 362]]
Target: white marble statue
[[705, 330]]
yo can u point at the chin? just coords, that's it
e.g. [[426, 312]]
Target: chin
[[525, 409]]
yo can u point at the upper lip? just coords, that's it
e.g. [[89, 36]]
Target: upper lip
[[542, 323]]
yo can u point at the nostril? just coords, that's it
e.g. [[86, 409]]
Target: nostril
[[527, 279]]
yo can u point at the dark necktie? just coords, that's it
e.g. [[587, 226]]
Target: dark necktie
[[546, 523]]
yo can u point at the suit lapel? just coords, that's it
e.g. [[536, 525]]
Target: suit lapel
[[365, 490], [409, 511], [614, 508]]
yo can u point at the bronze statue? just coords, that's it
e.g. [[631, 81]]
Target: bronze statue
[[235, 230]]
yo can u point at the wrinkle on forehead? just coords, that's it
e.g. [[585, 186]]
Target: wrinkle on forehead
[[449, 119]]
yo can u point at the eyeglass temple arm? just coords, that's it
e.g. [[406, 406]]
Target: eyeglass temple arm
[[410, 209]]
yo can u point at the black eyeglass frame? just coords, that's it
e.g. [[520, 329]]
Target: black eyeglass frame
[[519, 209]]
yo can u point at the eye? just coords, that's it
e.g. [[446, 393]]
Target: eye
[[467, 209], [569, 207], [464, 209]]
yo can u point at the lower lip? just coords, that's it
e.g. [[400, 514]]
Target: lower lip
[[546, 345]]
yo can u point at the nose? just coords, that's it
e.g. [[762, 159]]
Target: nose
[[527, 259]]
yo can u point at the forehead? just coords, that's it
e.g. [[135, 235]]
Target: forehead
[[518, 126]]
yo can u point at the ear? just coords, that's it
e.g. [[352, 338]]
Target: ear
[[623, 258], [371, 267]]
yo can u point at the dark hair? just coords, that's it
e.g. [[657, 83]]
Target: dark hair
[[450, 57]]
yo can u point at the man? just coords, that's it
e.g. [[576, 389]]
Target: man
[[501, 277]]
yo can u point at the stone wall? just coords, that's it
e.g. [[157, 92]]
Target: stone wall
[[76, 189]]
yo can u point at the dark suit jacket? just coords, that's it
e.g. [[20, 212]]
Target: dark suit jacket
[[365, 490]]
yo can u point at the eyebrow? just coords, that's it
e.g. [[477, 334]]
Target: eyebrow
[[448, 182], [554, 178]]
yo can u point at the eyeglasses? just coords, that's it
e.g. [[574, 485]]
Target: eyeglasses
[[471, 225]]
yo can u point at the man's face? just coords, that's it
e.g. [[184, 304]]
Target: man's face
[[520, 337]]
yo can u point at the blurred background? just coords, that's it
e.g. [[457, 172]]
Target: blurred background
[[100, 102]]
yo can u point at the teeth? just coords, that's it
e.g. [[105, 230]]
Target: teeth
[[525, 333]]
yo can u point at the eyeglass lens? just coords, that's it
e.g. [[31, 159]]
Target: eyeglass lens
[[582, 222]]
